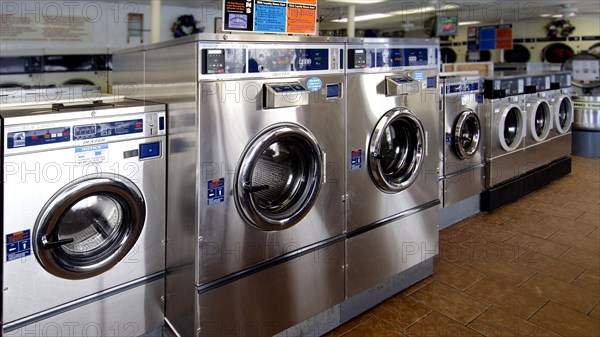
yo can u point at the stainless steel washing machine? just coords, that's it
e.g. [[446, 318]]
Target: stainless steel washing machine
[[392, 158], [256, 179], [83, 218], [561, 105], [539, 120], [463, 136], [505, 121]]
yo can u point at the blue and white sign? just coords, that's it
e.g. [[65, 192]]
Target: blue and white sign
[[418, 76], [356, 160], [314, 84], [18, 245], [92, 154], [216, 191]]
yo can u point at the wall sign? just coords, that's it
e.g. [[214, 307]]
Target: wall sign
[[271, 16], [490, 37], [14, 27]]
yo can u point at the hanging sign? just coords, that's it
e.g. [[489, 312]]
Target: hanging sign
[[271, 16]]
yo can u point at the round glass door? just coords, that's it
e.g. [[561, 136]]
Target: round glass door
[[540, 120], [511, 128], [467, 134], [396, 150], [279, 177], [564, 114], [89, 226]]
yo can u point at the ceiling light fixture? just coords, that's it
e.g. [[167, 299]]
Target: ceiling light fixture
[[357, 2], [468, 23], [364, 17]]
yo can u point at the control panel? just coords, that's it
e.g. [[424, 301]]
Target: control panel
[[537, 83], [274, 60], [83, 131], [500, 88], [560, 81], [385, 57], [468, 87]]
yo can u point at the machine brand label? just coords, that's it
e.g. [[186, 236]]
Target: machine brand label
[[314, 84], [356, 160], [91, 154], [216, 191], [18, 245]]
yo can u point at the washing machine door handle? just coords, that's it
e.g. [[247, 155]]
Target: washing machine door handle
[[53, 244], [253, 189]]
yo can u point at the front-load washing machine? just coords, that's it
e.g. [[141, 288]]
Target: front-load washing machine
[[561, 104], [463, 131], [90, 68], [83, 218], [48, 95], [539, 120], [393, 157], [256, 152]]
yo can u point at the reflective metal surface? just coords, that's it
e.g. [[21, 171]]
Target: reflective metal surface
[[378, 254], [37, 174], [539, 125], [505, 123], [214, 120], [563, 112], [272, 300], [367, 105], [587, 113]]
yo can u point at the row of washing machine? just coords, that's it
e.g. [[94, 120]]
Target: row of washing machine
[[49, 68], [506, 136]]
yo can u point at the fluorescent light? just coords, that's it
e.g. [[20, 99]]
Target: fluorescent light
[[557, 16], [468, 23], [365, 17], [546, 15]]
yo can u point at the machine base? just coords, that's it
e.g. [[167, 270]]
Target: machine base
[[332, 318], [500, 195], [456, 212], [586, 143]]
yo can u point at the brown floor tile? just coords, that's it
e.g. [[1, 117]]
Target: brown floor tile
[[531, 228], [353, 323], [455, 275], [374, 327], [567, 224], [595, 234], [596, 312], [438, 325], [549, 208], [576, 239], [531, 243], [493, 218], [566, 321], [589, 280], [574, 297], [582, 258], [509, 271], [499, 323], [491, 251], [408, 291], [450, 302], [548, 266], [400, 311], [589, 218], [588, 206], [519, 301]]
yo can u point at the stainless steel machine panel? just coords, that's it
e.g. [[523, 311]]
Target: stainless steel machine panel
[[87, 189], [370, 198], [272, 300], [378, 254], [133, 312], [463, 185]]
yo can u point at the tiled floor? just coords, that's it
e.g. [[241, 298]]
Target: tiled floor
[[531, 268]]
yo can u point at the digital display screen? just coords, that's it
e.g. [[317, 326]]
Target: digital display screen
[[357, 58], [214, 61], [84, 131], [81, 132]]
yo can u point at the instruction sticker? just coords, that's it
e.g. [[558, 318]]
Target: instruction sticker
[[418, 76], [18, 245], [314, 84], [356, 160], [216, 191], [93, 154]]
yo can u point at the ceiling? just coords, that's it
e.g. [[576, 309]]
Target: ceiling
[[417, 11], [485, 11]]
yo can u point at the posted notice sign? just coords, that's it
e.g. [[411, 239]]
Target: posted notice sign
[[271, 16]]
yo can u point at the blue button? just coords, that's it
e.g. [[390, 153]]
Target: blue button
[[149, 150]]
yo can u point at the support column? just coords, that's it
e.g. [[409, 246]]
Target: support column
[[155, 13], [351, 14]]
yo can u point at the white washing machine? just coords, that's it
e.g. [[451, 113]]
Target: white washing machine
[[539, 121], [393, 157], [83, 218], [47, 95], [561, 105]]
